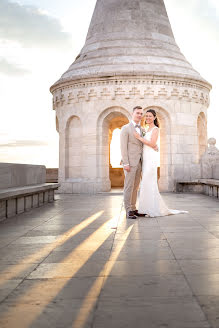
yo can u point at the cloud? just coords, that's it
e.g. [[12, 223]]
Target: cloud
[[11, 69], [30, 27], [24, 143]]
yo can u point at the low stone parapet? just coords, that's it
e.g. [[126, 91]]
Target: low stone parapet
[[209, 187], [14, 175], [22, 187], [17, 200]]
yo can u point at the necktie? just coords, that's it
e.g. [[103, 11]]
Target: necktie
[[137, 126]]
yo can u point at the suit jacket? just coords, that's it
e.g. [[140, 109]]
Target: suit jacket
[[131, 148]]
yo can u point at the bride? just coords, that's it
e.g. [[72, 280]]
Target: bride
[[150, 200]]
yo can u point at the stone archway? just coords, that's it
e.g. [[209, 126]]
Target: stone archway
[[116, 174], [108, 121], [73, 151], [165, 148]]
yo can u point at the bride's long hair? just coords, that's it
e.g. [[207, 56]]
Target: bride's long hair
[[152, 111]]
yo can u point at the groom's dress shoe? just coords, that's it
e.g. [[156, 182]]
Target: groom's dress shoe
[[138, 214], [131, 215]]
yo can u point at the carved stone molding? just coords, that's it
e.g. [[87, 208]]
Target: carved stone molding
[[148, 80], [129, 90]]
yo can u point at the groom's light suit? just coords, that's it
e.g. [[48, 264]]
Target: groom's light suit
[[131, 151]]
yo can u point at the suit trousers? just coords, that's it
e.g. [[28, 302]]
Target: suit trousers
[[131, 184]]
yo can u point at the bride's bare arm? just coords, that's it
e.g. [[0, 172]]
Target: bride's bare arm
[[153, 142]]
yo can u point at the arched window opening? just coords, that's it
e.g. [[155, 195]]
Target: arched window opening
[[115, 153]]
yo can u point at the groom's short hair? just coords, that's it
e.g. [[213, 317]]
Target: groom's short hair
[[136, 107]]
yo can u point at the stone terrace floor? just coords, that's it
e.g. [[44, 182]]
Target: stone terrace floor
[[79, 263]]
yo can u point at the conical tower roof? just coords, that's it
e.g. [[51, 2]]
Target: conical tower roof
[[130, 38]]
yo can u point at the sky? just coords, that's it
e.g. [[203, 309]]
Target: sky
[[39, 39]]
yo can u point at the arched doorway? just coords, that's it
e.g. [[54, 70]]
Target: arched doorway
[[111, 119], [116, 117], [164, 171]]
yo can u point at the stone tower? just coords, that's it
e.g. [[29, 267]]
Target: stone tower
[[130, 58]]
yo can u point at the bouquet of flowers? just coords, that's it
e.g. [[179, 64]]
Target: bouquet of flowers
[[144, 130]]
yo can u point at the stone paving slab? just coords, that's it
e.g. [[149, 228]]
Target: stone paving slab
[[159, 253], [39, 314], [81, 255], [65, 289], [199, 266], [153, 313], [133, 267], [145, 286], [79, 263], [18, 271], [148, 235]]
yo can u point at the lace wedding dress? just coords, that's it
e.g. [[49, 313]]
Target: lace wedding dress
[[150, 200]]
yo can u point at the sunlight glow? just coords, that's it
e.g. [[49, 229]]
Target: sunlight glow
[[27, 262], [115, 153]]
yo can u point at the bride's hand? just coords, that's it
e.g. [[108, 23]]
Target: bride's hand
[[137, 135]]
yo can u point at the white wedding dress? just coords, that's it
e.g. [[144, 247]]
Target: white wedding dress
[[150, 200]]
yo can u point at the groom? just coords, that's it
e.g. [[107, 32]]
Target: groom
[[131, 151]]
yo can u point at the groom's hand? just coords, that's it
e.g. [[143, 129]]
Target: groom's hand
[[127, 168]]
